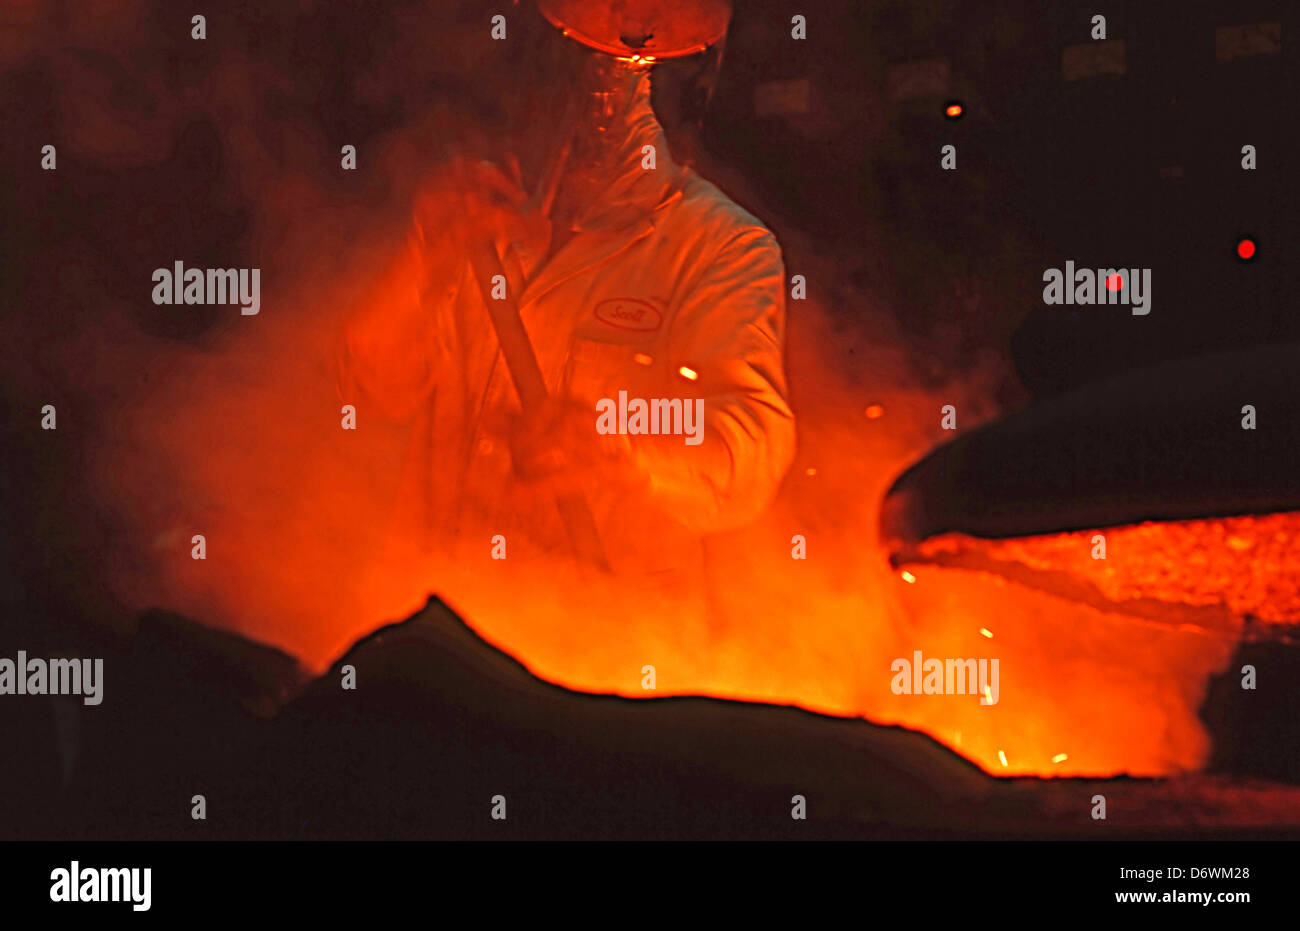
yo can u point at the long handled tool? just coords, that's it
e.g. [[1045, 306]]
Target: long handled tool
[[521, 360], [526, 374], [516, 349]]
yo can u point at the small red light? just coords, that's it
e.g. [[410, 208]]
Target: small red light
[[1246, 249], [1114, 282], [953, 110]]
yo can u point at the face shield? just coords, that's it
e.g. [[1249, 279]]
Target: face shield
[[594, 58]]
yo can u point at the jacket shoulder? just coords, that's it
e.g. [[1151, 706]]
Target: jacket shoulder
[[706, 212]]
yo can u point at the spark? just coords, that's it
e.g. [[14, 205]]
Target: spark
[[1003, 757], [908, 577], [1060, 758], [875, 411], [986, 632], [688, 373], [642, 359]]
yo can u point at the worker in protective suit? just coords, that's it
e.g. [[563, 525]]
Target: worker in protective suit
[[630, 274]]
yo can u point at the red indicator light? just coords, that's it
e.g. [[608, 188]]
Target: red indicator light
[[1246, 249]]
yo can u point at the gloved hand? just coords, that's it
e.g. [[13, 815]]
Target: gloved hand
[[558, 451], [471, 200], [391, 346]]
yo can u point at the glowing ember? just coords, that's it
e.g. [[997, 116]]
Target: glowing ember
[[908, 577], [875, 412], [1060, 758], [688, 373], [986, 632]]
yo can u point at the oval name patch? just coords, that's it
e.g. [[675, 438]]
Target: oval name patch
[[628, 313]]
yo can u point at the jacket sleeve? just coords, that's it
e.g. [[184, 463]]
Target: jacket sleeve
[[391, 348], [730, 332]]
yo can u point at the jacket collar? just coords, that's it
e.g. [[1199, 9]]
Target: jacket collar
[[626, 208]]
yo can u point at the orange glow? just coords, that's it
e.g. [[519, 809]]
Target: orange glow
[[953, 110], [642, 359], [810, 472], [296, 514]]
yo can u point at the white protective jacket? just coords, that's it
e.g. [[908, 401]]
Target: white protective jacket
[[663, 272]]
